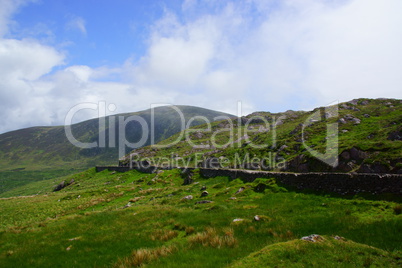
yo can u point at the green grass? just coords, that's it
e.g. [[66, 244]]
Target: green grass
[[86, 224], [22, 182]]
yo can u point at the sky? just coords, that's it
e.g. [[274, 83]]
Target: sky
[[271, 55]]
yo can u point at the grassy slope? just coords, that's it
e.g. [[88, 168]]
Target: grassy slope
[[378, 117], [85, 224], [40, 153]]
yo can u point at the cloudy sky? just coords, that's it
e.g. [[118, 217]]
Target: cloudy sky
[[271, 55]]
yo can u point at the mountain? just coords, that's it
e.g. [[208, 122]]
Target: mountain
[[362, 135], [39, 147]]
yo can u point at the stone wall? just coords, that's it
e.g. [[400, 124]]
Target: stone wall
[[342, 183]]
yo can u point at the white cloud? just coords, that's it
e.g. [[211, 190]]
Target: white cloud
[[7, 9], [272, 56], [77, 23]]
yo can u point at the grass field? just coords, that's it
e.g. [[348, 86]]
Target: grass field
[[110, 219]]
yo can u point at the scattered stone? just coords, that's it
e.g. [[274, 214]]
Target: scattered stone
[[357, 154], [79, 196], [345, 155], [69, 247], [345, 130], [60, 186], [204, 193], [188, 197], [354, 102], [203, 188], [241, 189], [365, 102], [313, 238], [203, 202], [342, 121], [75, 238], [366, 115], [256, 218], [236, 220], [337, 237], [356, 121], [233, 198], [395, 136], [279, 122], [128, 205], [114, 172]]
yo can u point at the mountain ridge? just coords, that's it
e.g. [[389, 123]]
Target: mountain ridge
[[45, 146]]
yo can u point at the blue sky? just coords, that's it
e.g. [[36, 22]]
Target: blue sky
[[270, 55]]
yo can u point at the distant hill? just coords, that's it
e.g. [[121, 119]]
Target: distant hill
[[362, 135], [39, 147]]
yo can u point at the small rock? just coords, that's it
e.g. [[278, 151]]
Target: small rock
[[366, 115], [356, 121], [233, 198], [256, 218], [342, 121], [312, 238], [188, 197], [203, 202], [337, 237], [128, 205], [236, 220], [241, 189], [79, 196], [203, 188], [69, 247], [205, 193]]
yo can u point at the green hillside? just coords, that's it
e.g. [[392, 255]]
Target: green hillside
[[367, 138], [44, 147], [111, 219]]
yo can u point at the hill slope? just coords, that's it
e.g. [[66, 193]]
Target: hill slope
[[39, 147], [112, 219], [363, 135]]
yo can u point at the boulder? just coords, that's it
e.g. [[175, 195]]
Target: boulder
[[241, 189], [356, 121], [60, 186], [204, 193], [312, 238], [188, 197], [357, 154], [345, 155], [342, 121]]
